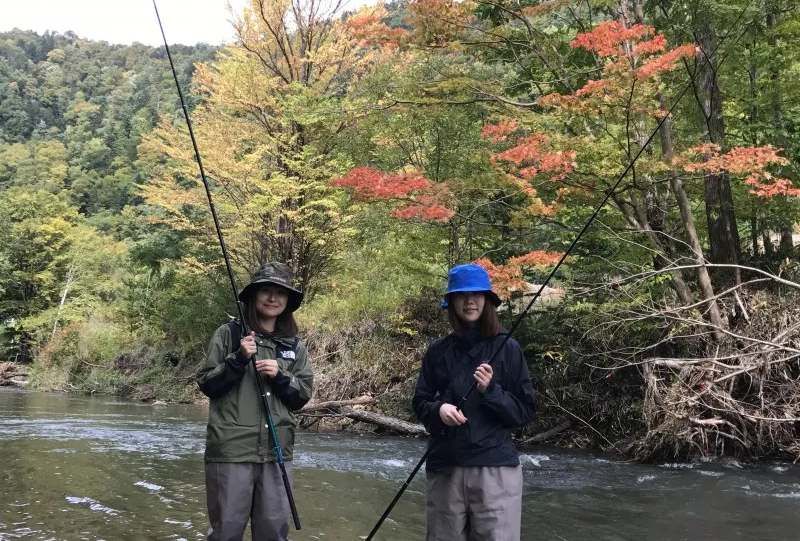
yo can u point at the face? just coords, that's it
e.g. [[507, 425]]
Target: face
[[468, 306], [271, 301]]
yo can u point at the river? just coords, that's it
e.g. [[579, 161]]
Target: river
[[95, 468]]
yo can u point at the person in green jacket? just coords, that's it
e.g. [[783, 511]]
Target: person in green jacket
[[243, 481]]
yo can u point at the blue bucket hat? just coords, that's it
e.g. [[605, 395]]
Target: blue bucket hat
[[469, 277]]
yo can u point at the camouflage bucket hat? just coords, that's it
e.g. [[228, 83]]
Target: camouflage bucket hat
[[278, 274]]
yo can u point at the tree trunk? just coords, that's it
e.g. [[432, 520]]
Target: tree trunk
[[787, 242], [648, 213], [703, 277], [687, 219], [769, 250], [754, 234], [67, 285], [665, 246], [344, 408], [722, 230]]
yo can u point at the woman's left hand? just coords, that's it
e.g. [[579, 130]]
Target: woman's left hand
[[483, 376], [267, 367]]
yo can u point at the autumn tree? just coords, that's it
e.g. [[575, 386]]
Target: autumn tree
[[274, 108], [618, 112]]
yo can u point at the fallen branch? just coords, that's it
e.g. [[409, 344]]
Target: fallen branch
[[547, 434], [344, 408], [334, 405], [392, 423]]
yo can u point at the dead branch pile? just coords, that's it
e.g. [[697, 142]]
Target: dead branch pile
[[706, 396], [12, 374]]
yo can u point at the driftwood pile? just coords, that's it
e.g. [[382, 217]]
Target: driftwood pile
[[13, 374]]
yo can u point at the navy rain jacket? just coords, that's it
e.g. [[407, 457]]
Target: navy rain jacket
[[508, 403]]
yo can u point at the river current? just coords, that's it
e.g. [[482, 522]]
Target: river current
[[92, 468]]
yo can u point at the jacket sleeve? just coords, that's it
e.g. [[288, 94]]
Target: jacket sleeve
[[427, 398], [514, 405], [295, 387], [222, 370]]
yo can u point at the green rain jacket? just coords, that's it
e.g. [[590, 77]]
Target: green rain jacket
[[237, 425]]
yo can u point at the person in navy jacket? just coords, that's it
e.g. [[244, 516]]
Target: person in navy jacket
[[474, 479]]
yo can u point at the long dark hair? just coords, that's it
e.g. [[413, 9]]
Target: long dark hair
[[285, 324], [488, 324]]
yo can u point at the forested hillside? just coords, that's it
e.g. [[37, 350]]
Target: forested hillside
[[374, 149]]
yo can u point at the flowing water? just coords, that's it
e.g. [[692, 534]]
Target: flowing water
[[100, 468]]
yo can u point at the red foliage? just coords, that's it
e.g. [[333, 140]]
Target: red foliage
[[536, 258], [750, 162], [655, 45], [666, 62], [527, 150], [424, 208], [767, 190], [631, 52], [531, 154], [737, 161], [369, 183], [591, 87], [606, 38], [425, 200], [508, 278], [497, 133], [368, 28]]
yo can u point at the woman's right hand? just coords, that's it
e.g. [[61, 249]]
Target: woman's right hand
[[450, 415], [247, 346]]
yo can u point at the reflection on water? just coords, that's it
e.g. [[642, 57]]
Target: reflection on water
[[99, 468]]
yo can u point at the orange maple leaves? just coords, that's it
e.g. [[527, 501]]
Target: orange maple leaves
[[367, 26], [530, 157], [631, 53], [498, 133], [509, 279], [370, 183], [422, 199], [606, 38], [638, 53], [614, 39], [750, 162]]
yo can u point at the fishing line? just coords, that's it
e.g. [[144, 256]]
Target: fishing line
[[261, 390]]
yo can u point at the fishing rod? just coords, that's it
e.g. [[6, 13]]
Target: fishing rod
[[563, 257], [244, 330]]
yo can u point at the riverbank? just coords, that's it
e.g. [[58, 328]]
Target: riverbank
[[683, 399]]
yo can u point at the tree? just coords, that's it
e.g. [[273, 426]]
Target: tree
[[269, 127], [33, 245]]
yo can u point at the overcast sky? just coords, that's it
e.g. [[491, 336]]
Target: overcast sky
[[125, 21]]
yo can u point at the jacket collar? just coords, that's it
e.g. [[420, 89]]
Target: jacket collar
[[280, 340]]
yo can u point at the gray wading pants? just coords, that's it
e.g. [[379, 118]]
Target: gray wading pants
[[236, 492], [475, 504]]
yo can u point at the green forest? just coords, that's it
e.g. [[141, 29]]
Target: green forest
[[372, 150]]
